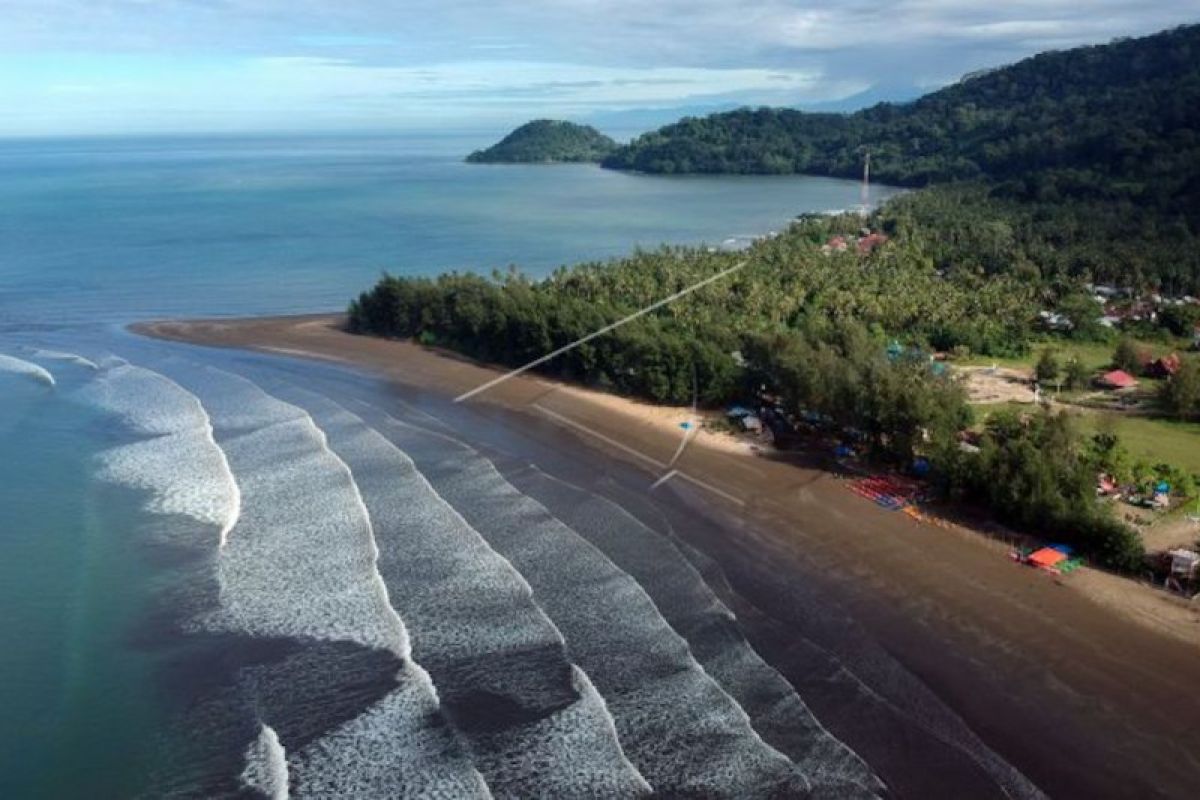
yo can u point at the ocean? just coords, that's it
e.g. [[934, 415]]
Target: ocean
[[229, 574]]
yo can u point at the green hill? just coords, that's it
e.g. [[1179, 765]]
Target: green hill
[[547, 141], [1079, 164], [1117, 118]]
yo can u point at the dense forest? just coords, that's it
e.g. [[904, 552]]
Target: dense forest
[[1115, 119], [1086, 161], [547, 141]]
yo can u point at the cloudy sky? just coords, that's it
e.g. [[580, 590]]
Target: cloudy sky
[[112, 66]]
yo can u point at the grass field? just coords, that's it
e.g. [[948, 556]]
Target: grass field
[[1093, 355], [1152, 439]]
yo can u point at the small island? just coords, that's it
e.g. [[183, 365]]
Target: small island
[[547, 141]]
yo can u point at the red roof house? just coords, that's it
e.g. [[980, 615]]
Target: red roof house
[[1117, 379], [869, 242], [1165, 367]]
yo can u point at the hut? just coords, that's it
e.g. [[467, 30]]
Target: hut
[[1117, 379], [1164, 367]]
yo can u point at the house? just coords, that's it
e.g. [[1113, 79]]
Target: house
[[836, 244], [1164, 367], [1117, 379], [869, 242]]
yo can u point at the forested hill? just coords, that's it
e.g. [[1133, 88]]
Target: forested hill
[[547, 141], [1117, 118]]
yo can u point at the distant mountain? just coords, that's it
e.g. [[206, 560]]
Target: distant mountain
[[897, 93], [1122, 117], [547, 141]]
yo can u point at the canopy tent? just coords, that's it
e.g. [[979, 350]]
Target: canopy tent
[[1046, 557]]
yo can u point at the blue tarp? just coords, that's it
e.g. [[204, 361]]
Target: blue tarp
[[738, 411], [1065, 549]]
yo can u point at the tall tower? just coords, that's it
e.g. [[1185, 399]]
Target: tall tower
[[866, 184]]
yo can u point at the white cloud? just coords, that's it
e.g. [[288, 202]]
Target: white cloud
[[276, 61]]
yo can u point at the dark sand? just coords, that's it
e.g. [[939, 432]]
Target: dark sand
[[1089, 685]]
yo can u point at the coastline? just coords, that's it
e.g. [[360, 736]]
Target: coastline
[[1100, 670]]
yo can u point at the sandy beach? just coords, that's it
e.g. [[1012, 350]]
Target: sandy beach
[[1089, 684]]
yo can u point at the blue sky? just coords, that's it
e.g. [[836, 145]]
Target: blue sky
[[137, 66]]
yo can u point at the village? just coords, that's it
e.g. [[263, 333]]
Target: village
[[1110, 389]]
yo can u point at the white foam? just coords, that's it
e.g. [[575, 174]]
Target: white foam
[[266, 765], [180, 464], [21, 367], [302, 562], [73, 358], [467, 604], [693, 609], [678, 726], [389, 750]]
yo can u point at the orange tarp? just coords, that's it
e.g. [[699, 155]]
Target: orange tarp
[[1046, 557]]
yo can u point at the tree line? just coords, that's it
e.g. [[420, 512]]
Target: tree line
[[813, 327]]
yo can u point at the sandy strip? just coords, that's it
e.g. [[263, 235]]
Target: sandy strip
[[1086, 681]]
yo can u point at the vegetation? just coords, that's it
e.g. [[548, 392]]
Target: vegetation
[[1180, 394], [812, 327], [1047, 367], [1080, 163], [1128, 356], [1037, 472], [547, 141], [1068, 167]]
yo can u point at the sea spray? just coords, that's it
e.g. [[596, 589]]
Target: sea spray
[[19, 366], [179, 462]]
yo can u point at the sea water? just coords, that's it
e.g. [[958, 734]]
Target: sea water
[[151, 642]]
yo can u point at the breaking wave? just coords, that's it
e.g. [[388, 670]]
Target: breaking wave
[[180, 463], [302, 562], [72, 358], [679, 727], [533, 721], [19, 366]]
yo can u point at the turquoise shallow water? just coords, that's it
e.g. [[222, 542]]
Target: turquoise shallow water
[[81, 709], [97, 233]]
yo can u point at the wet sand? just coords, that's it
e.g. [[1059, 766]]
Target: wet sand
[[1089, 685]]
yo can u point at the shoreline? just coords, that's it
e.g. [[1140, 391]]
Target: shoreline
[[1098, 666]]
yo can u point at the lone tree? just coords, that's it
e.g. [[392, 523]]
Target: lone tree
[[1076, 374], [1047, 367], [1181, 394], [1127, 356]]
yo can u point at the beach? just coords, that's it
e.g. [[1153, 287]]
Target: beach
[[1086, 684]]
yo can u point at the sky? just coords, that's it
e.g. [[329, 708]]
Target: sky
[[148, 66]]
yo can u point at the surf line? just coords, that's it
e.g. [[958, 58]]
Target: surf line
[[658, 465], [610, 327]]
